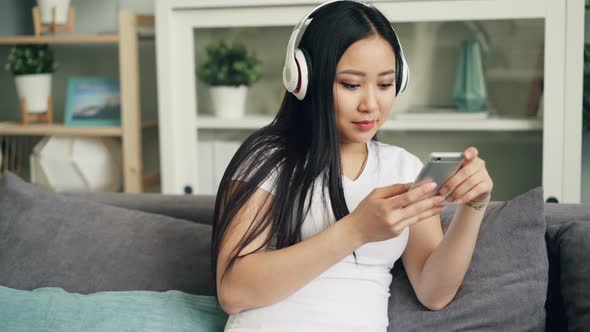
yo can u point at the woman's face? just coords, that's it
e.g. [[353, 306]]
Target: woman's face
[[364, 89]]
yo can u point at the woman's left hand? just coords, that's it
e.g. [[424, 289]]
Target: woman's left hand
[[471, 183]]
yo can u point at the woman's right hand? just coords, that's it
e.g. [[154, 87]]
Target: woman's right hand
[[387, 211]]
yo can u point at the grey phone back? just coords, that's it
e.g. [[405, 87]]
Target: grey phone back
[[439, 169]]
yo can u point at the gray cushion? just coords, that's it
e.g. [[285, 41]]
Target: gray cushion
[[506, 283], [574, 262], [49, 240], [557, 214], [197, 208]]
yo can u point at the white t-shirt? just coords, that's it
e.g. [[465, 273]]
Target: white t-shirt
[[347, 296]]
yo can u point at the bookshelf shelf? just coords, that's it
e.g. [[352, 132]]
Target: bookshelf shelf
[[490, 124], [10, 128], [17, 129], [65, 39], [250, 122]]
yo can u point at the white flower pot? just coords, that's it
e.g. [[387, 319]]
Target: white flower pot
[[35, 88], [229, 102], [61, 11]]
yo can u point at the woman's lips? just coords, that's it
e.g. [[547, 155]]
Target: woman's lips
[[365, 125]]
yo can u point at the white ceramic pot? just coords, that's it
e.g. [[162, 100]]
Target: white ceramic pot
[[229, 102], [61, 11], [35, 88]]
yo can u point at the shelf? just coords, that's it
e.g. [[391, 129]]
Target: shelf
[[12, 128], [40, 129], [249, 122], [398, 11], [60, 39], [491, 124]]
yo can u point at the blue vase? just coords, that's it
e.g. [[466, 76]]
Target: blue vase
[[469, 90]]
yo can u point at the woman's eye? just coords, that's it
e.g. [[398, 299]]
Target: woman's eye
[[386, 86], [350, 86]]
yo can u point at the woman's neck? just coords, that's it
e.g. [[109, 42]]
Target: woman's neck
[[353, 158], [353, 149]]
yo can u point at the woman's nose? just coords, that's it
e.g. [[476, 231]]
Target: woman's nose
[[369, 102]]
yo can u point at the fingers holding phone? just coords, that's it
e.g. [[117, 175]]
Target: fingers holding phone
[[471, 183], [420, 203], [387, 211]]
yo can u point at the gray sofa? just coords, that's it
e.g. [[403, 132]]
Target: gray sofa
[[181, 261], [558, 218]]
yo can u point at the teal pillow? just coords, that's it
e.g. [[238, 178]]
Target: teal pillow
[[53, 309]]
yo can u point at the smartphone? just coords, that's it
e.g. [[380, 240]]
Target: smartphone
[[440, 167]]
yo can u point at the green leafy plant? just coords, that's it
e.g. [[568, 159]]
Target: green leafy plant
[[31, 59], [229, 65]]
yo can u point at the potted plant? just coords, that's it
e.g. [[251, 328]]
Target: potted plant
[[229, 70], [47, 7], [32, 66]]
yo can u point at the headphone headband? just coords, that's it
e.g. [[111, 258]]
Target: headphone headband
[[296, 68]]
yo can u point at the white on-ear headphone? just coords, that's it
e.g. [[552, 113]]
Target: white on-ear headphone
[[297, 65]]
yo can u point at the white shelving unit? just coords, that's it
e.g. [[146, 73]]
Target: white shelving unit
[[130, 132], [497, 124], [563, 40]]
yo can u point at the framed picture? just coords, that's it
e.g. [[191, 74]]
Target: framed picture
[[93, 101]]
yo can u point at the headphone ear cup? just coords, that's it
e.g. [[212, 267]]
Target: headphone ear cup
[[304, 67], [403, 76], [402, 80]]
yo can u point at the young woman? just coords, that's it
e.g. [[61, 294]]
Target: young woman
[[313, 211]]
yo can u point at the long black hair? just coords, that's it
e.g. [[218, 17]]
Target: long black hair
[[302, 141]]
